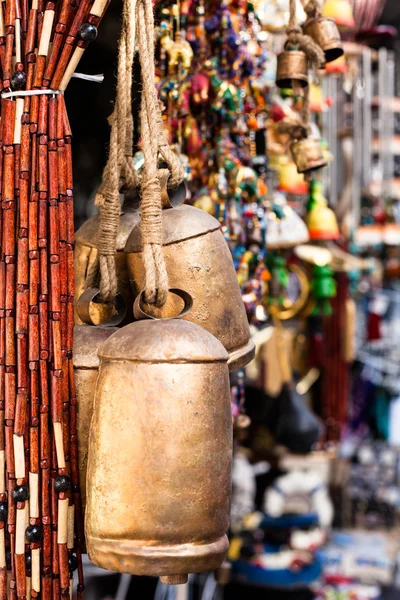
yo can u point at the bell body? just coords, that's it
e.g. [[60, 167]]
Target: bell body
[[159, 472], [307, 154], [87, 342], [292, 69], [198, 260], [325, 33], [86, 253]]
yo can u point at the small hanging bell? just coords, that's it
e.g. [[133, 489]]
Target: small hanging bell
[[325, 33], [292, 69], [307, 154], [87, 342], [197, 257], [160, 447], [86, 253]]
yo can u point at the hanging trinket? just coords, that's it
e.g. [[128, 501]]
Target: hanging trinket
[[171, 525], [197, 256], [158, 530], [321, 220], [323, 288], [87, 343], [323, 31], [300, 52]]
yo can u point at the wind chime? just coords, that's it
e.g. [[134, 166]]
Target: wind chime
[[41, 526], [318, 43], [171, 364]]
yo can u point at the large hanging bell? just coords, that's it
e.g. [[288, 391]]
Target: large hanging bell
[[87, 343], [159, 470], [325, 33], [197, 258], [86, 253], [307, 154], [292, 69]]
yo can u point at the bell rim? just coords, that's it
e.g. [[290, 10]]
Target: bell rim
[[242, 356], [157, 560], [193, 345]]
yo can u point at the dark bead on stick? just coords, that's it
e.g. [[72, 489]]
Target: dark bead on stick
[[3, 511], [72, 563], [20, 493], [62, 483], [18, 80], [34, 533], [88, 32]]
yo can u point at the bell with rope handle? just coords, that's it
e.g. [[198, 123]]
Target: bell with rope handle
[[307, 154], [292, 68], [86, 254], [325, 33], [160, 450], [197, 257], [87, 343]]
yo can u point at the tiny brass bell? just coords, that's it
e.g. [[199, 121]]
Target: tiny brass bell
[[86, 253], [307, 154], [325, 33], [292, 69], [197, 258], [159, 469], [87, 342]]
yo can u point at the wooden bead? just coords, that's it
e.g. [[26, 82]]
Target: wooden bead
[[34, 495], [46, 33], [35, 570]]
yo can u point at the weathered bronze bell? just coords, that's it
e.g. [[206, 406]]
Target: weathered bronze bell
[[198, 258], [292, 69], [160, 445], [325, 33], [87, 342], [86, 253], [307, 154]]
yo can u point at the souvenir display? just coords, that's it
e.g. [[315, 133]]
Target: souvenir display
[[235, 304]]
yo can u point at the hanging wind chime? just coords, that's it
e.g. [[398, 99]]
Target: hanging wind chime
[[302, 52], [41, 523]]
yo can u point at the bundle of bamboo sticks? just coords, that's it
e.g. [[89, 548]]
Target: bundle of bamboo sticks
[[41, 525]]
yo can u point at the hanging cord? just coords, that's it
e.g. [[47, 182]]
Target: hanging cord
[[312, 8], [153, 142], [119, 161], [314, 53]]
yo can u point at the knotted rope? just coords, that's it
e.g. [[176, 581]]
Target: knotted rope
[[153, 142], [119, 161], [312, 8], [314, 53]]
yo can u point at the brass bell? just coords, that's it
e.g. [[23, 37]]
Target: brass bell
[[159, 470], [325, 33], [292, 69], [197, 258], [307, 154], [86, 253], [87, 342]]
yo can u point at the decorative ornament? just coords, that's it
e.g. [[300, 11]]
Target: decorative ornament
[[323, 288], [340, 11], [321, 220], [323, 31], [285, 228]]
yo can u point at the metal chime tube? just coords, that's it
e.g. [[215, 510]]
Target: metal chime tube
[[357, 147], [367, 118]]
